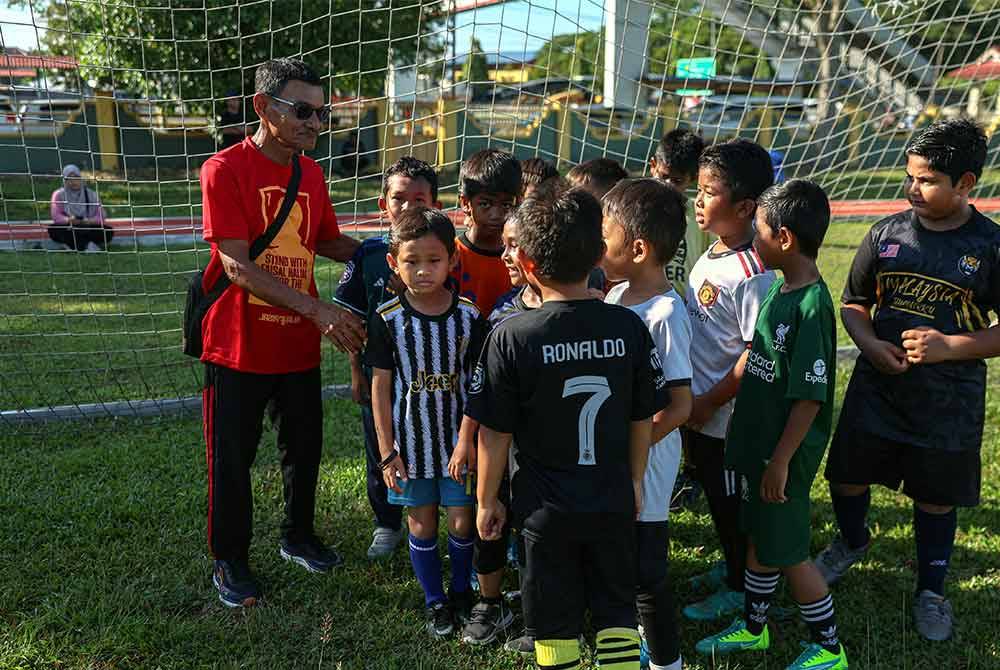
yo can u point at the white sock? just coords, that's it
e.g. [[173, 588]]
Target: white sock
[[676, 665]]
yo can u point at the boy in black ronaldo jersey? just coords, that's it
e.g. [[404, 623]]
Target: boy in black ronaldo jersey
[[574, 383], [917, 304]]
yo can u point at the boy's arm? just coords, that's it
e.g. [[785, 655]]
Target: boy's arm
[[885, 356], [640, 433], [360, 392], [493, 449], [800, 418], [927, 345], [706, 404], [382, 412], [674, 415]]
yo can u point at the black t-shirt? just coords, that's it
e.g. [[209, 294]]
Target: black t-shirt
[[917, 277], [567, 379], [228, 119]]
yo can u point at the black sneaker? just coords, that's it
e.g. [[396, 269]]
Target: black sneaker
[[486, 622], [461, 605], [235, 583], [311, 554], [524, 646], [439, 623]]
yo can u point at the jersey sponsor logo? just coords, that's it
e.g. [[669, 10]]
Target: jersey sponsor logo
[[818, 374], [708, 294], [779, 336], [583, 351], [432, 383], [968, 265], [348, 272], [478, 377], [760, 366], [887, 250]]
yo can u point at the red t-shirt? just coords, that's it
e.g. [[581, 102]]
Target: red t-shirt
[[480, 274], [242, 191]]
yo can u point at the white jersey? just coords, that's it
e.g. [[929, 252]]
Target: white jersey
[[724, 295], [670, 328]]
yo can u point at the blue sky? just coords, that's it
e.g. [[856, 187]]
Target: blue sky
[[521, 26]]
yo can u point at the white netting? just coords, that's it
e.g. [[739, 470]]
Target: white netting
[[133, 93]]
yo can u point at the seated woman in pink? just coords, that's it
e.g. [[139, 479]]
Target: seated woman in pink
[[77, 215]]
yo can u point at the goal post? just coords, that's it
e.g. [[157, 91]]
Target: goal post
[[140, 93]]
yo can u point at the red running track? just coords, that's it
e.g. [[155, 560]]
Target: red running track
[[23, 231]]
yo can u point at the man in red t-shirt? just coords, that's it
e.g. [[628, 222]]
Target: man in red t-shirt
[[262, 336]]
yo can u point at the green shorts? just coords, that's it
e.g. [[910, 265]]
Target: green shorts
[[780, 531]]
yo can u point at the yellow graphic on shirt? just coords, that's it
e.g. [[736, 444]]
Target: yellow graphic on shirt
[[287, 258], [922, 296]]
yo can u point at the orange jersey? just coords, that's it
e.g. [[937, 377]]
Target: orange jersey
[[480, 274]]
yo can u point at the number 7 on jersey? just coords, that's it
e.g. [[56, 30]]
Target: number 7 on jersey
[[600, 392]]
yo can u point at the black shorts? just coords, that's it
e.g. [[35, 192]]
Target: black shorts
[[931, 476], [576, 562]]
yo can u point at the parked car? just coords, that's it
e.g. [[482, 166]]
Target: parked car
[[720, 116], [8, 116], [43, 112]]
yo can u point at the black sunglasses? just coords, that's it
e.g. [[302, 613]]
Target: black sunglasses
[[303, 111]]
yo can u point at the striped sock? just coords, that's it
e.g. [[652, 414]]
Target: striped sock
[[557, 654], [822, 623], [618, 649], [427, 566], [760, 588]]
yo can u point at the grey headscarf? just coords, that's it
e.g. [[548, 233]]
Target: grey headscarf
[[82, 203]]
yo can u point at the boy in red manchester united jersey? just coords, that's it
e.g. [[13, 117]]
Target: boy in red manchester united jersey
[[261, 337]]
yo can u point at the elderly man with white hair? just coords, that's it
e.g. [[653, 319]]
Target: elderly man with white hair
[[77, 215]]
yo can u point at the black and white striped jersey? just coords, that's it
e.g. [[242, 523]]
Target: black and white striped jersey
[[431, 358]]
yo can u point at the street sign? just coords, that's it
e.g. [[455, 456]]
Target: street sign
[[695, 68]]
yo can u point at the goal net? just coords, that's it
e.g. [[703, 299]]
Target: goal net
[[139, 93]]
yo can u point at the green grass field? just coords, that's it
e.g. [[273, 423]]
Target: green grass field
[[103, 559]]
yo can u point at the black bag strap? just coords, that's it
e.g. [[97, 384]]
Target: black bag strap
[[261, 243]]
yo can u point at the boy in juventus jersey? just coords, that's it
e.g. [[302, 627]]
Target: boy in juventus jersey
[[574, 383], [422, 346]]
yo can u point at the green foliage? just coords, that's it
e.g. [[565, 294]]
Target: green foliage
[[475, 71], [196, 51], [570, 56]]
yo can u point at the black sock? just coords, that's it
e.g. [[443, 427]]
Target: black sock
[[852, 517], [725, 511], [760, 588], [935, 536], [491, 601], [822, 623]]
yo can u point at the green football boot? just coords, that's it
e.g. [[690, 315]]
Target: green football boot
[[734, 638], [815, 657]]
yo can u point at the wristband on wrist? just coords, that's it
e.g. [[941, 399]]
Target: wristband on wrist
[[387, 461]]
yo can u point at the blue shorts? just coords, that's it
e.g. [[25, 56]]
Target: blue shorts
[[443, 491]]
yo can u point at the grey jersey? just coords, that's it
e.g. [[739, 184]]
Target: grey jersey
[[724, 294]]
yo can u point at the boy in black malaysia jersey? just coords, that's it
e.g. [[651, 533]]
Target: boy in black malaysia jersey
[[917, 303], [575, 383]]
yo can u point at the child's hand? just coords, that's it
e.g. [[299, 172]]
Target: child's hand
[[490, 519], [463, 455], [925, 345], [772, 484], [360, 390], [393, 473], [637, 492], [887, 357]]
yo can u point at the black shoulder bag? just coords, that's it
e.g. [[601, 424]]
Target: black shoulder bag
[[198, 301]]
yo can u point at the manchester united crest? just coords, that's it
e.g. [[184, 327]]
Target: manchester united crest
[[708, 294]]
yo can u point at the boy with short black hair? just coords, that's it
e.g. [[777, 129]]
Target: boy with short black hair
[[725, 289], [643, 226], [579, 367], [534, 173], [489, 186], [676, 158], [597, 176], [780, 427], [422, 346], [366, 283], [917, 304]]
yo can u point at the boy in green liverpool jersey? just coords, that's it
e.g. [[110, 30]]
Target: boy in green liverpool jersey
[[780, 427]]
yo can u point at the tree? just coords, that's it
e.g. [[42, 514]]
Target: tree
[[475, 71], [197, 54]]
